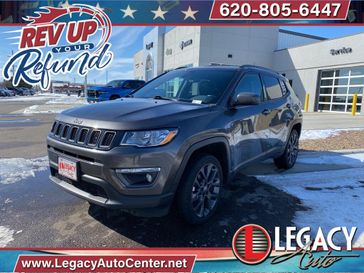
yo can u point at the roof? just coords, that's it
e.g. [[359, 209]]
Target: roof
[[302, 34]]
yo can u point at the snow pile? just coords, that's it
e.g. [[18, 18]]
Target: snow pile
[[6, 236], [326, 133], [13, 170], [67, 100], [26, 98], [354, 160], [334, 198]]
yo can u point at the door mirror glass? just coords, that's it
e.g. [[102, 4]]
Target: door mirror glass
[[247, 98]]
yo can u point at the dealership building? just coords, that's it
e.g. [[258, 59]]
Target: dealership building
[[331, 71]]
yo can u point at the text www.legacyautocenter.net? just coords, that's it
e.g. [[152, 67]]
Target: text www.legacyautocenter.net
[[101, 263]]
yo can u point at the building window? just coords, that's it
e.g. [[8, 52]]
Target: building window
[[230, 56], [337, 87]]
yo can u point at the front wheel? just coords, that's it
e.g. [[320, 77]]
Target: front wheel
[[289, 157], [200, 189]]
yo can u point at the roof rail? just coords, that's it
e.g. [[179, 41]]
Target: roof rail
[[222, 64], [258, 67]]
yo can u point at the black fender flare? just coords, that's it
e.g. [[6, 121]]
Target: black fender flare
[[193, 148]]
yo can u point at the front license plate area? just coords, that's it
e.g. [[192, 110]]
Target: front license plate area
[[67, 168]]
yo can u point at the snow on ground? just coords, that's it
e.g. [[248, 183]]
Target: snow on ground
[[37, 97], [68, 100], [333, 198], [13, 170], [44, 109], [55, 104], [6, 236], [325, 133], [331, 158]]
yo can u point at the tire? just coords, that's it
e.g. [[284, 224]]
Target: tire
[[198, 197], [114, 97], [289, 157]]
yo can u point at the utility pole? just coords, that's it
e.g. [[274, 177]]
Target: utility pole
[[85, 86], [13, 67]]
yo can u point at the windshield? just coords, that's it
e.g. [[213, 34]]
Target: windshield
[[115, 83], [190, 85]]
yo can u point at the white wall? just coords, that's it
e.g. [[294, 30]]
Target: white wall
[[139, 65], [248, 45], [189, 54], [302, 64], [286, 40], [155, 36]]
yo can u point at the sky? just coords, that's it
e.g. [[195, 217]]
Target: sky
[[126, 41]]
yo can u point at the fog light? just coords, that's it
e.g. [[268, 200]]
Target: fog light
[[137, 176]]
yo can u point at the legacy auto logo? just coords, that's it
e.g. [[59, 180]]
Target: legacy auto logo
[[252, 244], [73, 37]]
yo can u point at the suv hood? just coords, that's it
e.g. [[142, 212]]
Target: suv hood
[[100, 87], [133, 114]]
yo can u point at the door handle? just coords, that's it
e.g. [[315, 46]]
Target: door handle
[[266, 111]]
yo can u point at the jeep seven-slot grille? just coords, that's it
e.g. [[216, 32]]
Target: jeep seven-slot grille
[[83, 136]]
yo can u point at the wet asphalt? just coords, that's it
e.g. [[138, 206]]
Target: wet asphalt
[[43, 215]]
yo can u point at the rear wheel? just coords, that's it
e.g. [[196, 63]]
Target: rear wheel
[[289, 157], [200, 190]]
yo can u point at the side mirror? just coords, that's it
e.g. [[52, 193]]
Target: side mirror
[[246, 99]]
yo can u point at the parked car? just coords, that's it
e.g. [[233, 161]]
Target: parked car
[[3, 93], [113, 90], [178, 139], [11, 91]]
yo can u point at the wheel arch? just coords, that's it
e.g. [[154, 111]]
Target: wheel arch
[[216, 146]]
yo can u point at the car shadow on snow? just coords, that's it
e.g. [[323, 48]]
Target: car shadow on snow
[[246, 200]]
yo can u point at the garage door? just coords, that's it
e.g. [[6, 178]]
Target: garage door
[[337, 87]]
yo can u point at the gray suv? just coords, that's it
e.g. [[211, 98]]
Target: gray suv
[[176, 140]]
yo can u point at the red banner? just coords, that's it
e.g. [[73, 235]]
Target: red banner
[[279, 9]]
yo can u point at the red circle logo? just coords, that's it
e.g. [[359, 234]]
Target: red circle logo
[[252, 244]]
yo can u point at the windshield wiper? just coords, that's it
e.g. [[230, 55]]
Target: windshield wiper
[[161, 98]]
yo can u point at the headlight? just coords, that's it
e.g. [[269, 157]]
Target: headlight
[[150, 138]]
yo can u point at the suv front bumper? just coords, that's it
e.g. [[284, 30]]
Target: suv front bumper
[[98, 182]]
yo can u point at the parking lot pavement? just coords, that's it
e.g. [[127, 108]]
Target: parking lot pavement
[[26, 121], [36, 213], [315, 120]]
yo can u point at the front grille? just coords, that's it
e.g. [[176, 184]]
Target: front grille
[[94, 137], [83, 136], [73, 134], [65, 131], [107, 139], [92, 93]]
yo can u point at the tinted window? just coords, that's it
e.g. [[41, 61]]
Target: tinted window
[[190, 85], [283, 87], [115, 83], [250, 83], [133, 84], [273, 87], [128, 85]]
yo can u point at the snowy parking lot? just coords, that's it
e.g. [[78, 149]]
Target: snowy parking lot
[[325, 188]]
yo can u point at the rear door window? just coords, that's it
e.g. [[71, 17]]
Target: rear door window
[[272, 87]]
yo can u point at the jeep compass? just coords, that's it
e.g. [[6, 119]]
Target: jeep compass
[[177, 140]]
